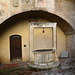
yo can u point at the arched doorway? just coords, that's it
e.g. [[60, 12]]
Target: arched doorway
[[15, 48]]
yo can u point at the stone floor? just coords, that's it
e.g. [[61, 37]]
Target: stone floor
[[67, 67]]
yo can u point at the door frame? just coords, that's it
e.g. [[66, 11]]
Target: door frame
[[10, 46]]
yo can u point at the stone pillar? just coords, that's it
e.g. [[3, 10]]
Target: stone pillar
[[54, 37], [31, 43], [55, 41]]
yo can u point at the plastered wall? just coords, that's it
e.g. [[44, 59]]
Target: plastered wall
[[42, 40], [45, 40], [20, 29]]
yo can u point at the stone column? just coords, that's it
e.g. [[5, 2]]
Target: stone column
[[54, 37], [31, 43], [55, 41]]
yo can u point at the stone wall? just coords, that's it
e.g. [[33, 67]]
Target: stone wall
[[71, 45], [66, 9]]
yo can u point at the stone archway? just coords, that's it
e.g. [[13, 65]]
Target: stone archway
[[66, 27]]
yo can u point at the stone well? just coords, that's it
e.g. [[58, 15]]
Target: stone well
[[43, 56], [44, 59]]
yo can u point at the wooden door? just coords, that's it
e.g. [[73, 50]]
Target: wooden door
[[15, 48]]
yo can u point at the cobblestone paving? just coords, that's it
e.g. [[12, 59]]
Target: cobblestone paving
[[67, 67]]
